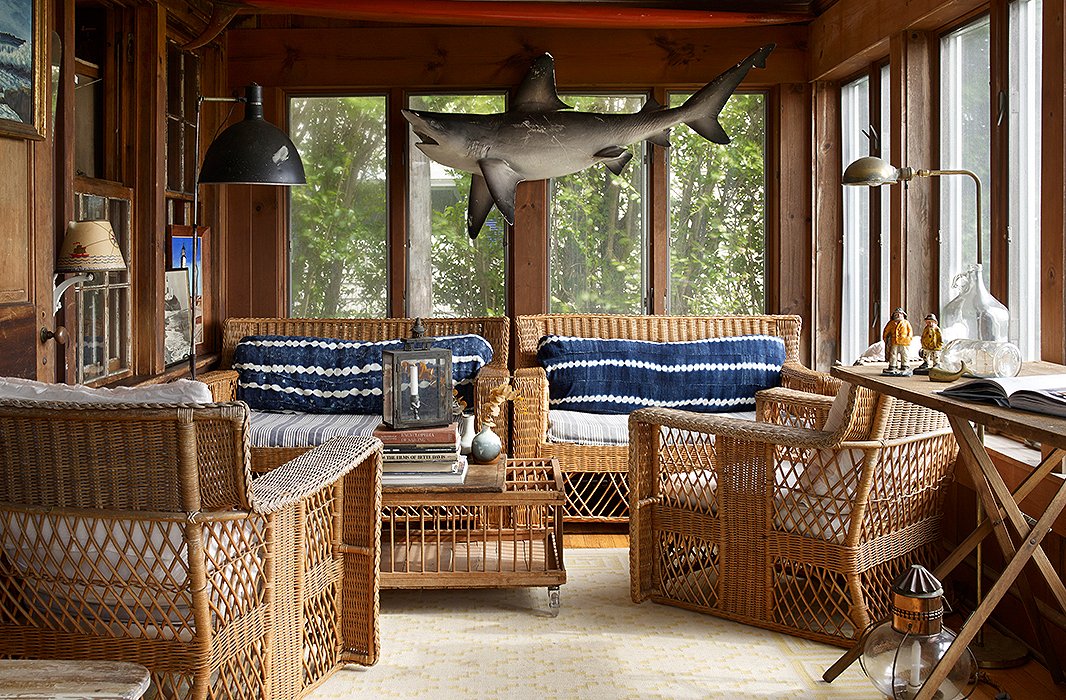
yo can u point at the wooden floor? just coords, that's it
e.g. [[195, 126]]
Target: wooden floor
[[1028, 682]]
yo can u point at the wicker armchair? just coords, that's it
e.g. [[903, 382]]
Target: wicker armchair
[[136, 532], [496, 330], [780, 524], [595, 475]]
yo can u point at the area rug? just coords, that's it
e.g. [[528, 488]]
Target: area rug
[[505, 644]]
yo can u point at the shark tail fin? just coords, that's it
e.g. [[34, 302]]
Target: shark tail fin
[[704, 107]]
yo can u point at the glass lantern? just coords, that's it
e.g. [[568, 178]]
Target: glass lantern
[[417, 383], [899, 655]]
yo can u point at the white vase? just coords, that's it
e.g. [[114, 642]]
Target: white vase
[[466, 431], [486, 446]]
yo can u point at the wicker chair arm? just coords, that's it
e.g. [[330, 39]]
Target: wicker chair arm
[[531, 410], [222, 383], [796, 376], [310, 472], [791, 407], [751, 431]]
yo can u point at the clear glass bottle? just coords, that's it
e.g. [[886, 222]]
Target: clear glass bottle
[[974, 313], [983, 358]]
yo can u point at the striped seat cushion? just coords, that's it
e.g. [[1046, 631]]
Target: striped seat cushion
[[609, 375], [307, 429], [577, 428], [329, 375]]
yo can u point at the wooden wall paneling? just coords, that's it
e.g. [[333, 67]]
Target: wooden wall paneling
[[828, 225], [659, 223], [997, 189], [428, 57], [237, 246], [147, 95], [396, 250], [790, 219], [913, 266], [1053, 186], [63, 178], [851, 33], [212, 200], [18, 298]]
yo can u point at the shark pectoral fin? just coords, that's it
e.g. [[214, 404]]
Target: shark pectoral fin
[[710, 129], [502, 181], [615, 158], [661, 139], [478, 207]]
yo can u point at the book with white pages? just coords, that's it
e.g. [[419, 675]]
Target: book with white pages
[[455, 478], [1040, 393]]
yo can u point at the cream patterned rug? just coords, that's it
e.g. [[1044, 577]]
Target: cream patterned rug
[[504, 644]]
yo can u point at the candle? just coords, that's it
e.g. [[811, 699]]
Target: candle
[[412, 368], [916, 664]]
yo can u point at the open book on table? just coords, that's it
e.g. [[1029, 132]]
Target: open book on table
[[1045, 393]]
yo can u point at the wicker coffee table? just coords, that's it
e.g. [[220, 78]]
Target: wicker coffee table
[[500, 529]]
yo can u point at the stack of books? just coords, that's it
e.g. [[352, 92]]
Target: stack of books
[[421, 456]]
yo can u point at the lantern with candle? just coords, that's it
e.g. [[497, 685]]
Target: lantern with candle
[[417, 383]]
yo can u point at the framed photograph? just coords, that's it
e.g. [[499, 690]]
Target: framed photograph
[[23, 70], [179, 255], [177, 317]]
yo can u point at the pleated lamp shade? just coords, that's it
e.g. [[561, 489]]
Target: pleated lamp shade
[[90, 246]]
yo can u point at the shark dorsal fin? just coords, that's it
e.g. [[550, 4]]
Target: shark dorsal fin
[[537, 92]]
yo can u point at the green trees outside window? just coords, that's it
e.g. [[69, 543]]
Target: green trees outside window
[[597, 238], [718, 213], [339, 232], [447, 275]]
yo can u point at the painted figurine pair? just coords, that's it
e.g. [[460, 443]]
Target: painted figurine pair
[[898, 335]]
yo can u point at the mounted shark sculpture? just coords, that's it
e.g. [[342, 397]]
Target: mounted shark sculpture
[[537, 139]]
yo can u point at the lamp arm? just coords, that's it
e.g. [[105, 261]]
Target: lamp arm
[[57, 293], [977, 183]]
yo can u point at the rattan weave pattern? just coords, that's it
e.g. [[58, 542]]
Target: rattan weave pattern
[[783, 525], [136, 532], [594, 498]]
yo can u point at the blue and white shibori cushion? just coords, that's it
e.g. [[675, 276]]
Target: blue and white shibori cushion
[[716, 375], [329, 375]]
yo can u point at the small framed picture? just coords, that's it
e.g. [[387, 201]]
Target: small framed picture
[[179, 256], [23, 73], [177, 317]]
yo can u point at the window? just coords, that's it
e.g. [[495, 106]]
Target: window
[[447, 274], [103, 305], [856, 138], [339, 227], [183, 90], [717, 213], [1024, 175], [965, 112], [596, 228], [865, 129]]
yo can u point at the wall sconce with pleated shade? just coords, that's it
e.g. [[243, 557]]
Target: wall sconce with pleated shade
[[88, 247]]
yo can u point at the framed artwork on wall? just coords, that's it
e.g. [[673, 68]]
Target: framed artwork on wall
[[179, 254], [177, 317], [23, 70]]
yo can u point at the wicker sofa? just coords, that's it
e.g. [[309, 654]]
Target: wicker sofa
[[595, 475], [137, 532], [799, 522], [223, 382]]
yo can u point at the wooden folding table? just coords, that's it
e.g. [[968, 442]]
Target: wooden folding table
[[998, 501]]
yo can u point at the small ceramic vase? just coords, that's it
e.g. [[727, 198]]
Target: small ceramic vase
[[466, 431], [486, 445]]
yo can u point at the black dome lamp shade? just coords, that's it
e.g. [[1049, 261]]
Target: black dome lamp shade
[[253, 151]]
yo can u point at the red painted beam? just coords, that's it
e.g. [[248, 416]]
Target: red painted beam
[[501, 13]]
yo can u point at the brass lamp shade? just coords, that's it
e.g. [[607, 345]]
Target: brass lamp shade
[[871, 172], [90, 246], [253, 151]]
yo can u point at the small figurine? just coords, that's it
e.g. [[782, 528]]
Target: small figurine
[[932, 344], [897, 336]]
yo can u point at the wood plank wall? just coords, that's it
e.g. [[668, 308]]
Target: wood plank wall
[[302, 59]]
